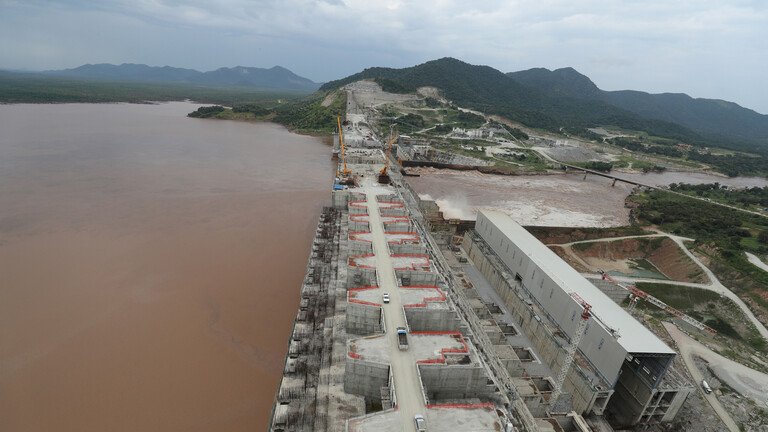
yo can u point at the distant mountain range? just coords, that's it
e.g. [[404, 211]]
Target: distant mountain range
[[564, 98], [711, 117], [278, 78]]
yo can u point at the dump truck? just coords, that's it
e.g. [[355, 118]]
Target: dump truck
[[402, 338]]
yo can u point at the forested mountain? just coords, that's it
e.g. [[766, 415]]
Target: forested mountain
[[491, 91], [548, 99], [559, 82], [127, 72], [274, 78], [710, 117]]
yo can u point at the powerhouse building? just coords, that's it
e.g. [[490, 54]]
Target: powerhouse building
[[633, 362]]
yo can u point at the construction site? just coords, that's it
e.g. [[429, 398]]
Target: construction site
[[481, 329]]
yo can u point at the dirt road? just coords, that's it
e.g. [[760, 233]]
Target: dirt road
[[746, 381], [713, 285], [681, 339]]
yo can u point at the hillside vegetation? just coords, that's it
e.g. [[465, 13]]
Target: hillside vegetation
[[722, 236], [306, 115], [567, 100], [720, 123], [27, 88]]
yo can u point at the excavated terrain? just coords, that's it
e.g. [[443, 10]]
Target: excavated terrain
[[662, 253]]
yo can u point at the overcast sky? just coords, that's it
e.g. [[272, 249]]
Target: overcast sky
[[715, 49]]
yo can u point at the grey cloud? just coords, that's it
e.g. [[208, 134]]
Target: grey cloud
[[705, 48]]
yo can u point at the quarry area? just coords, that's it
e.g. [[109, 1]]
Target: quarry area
[[442, 293]]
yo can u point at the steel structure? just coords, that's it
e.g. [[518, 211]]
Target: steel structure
[[570, 352], [636, 294]]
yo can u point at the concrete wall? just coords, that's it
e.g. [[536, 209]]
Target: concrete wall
[[417, 277], [393, 211], [357, 247], [423, 319], [355, 226], [398, 227], [443, 382], [494, 333], [677, 402], [362, 158], [636, 402], [365, 378], [514, 364], [340, 199], [358, 210], [359, 276], [363, 319], [407, 248]]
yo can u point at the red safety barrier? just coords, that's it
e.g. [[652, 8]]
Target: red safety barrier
[[483, 405], [456, 335]]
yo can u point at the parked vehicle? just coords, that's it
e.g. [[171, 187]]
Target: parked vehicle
[[402, 338], [706, 387], [421, 424]]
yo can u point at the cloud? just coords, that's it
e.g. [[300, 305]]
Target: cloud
[[703, 47]]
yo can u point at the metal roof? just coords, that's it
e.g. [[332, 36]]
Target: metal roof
[[635, 337]]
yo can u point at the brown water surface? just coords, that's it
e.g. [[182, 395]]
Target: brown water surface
[[150, 265]]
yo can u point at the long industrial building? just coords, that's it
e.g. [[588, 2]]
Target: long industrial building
[[632, 363]]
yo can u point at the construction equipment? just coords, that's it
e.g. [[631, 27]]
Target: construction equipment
[[383, 174], [636, 294], [402, 338], [344, 174], [570, 351]]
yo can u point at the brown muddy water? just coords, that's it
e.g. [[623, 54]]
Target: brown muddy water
[[548, 200], [541, 200], [150, 265]]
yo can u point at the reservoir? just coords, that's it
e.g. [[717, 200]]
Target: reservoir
[[150, 265]]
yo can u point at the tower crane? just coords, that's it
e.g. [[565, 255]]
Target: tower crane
[[344, 173], [636, 294], [570, 351], [383, 175]]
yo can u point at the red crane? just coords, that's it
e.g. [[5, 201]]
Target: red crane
[[636, 294]]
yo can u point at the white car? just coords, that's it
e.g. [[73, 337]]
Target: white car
[[421, 424], [385, 297]]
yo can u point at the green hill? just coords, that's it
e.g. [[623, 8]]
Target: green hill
[[489, 90], [721, 123]]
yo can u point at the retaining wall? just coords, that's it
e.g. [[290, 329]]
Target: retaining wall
[[424, 319], [452, 382], [416, 277], [365, 378], [363, 319]]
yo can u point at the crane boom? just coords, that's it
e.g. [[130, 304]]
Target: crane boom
[[570, 351], [345, 171], [636, 294], [383, 175]]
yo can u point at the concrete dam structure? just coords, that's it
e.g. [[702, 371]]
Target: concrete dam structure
[[402, 330]]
